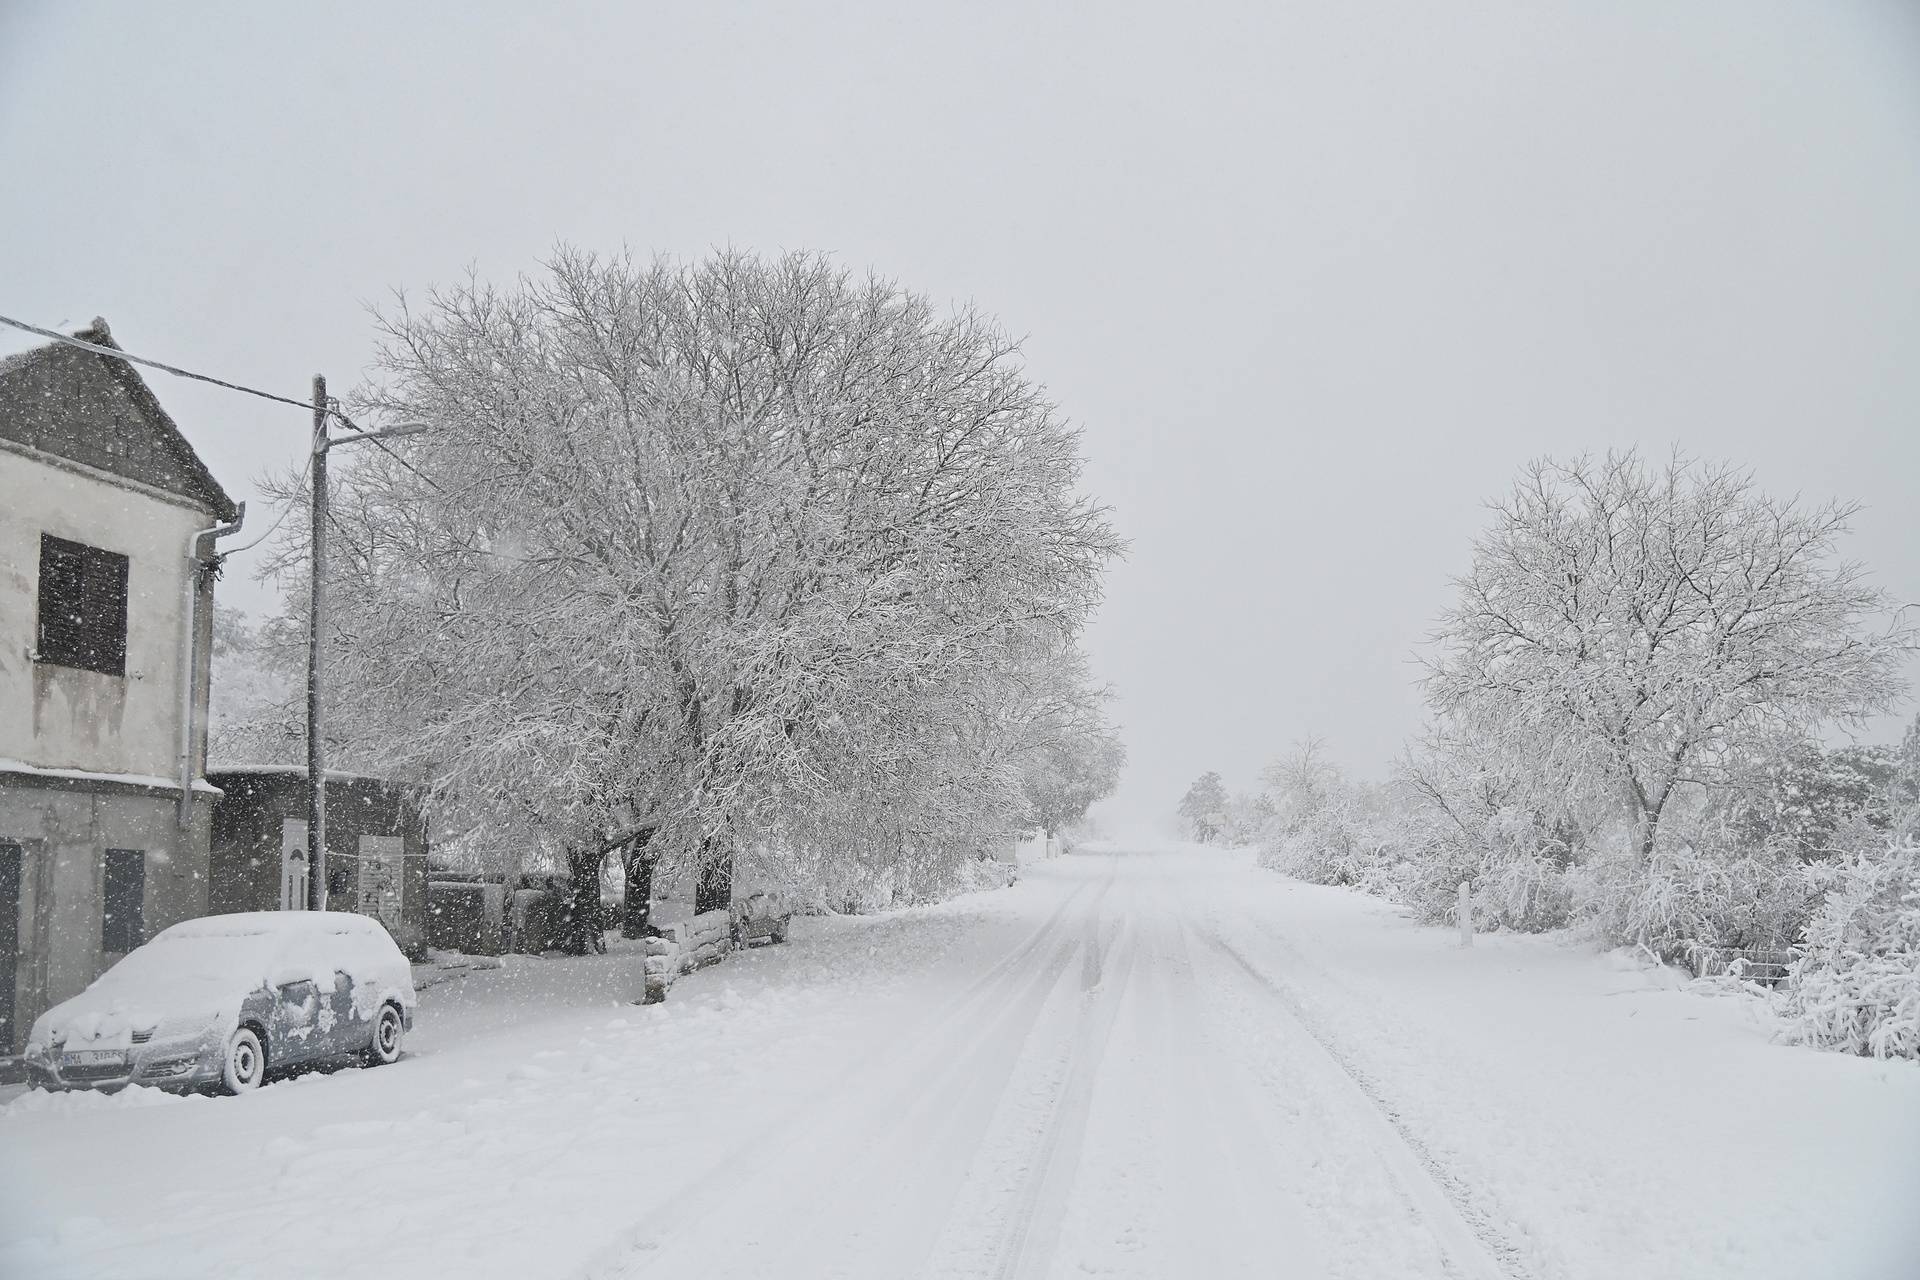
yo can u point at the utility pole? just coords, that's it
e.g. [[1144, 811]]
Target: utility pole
[[316, 620], [323, 441]]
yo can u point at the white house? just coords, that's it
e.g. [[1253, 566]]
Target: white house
[[107, 525]]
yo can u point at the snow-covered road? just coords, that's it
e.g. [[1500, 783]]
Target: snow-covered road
[[1140, 1064]]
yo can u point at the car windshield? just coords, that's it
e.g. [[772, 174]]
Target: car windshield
[[168, 967]]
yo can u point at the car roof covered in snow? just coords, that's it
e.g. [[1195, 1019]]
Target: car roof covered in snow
[[285, 924]]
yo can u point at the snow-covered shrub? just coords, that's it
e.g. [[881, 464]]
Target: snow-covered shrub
[[1521, 886], [1074, 835], [978, 874], [1333, 845], [1526, 890], [1248, 815], [1689, 898], [1855, 985], [1471, 815], [1325, 828]]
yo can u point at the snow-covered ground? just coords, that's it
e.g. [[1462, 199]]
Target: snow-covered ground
[[1129, 1064]]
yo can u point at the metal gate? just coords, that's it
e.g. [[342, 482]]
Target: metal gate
[[381, 890]]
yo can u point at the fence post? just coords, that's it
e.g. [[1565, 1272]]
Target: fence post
[[1463, 912]]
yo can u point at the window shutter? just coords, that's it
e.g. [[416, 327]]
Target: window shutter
[[106, 611], [63, 576], [83, 606], [123, 901]]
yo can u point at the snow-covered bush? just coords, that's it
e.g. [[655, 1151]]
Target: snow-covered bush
[[1517, 866], [1320, 830], [1473, 812], [1527, 889], [1688, 899], [1855, 985], [1248, 815]]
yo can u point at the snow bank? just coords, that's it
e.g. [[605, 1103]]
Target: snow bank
[[1610, 1115]]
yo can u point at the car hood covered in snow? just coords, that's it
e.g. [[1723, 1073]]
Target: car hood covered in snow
[[197, 974]]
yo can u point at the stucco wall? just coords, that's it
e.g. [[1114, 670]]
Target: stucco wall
[[61, 717], [65, 833]]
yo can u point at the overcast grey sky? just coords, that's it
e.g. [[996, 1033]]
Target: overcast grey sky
[[1315, 278]]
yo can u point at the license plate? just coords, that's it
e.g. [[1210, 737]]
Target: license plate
[[93, 1058]]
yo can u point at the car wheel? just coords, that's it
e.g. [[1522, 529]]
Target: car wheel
[[780, 932], [244, 1065], [388, 1028]]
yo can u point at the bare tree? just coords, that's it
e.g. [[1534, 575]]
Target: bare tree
[[1628, 626]]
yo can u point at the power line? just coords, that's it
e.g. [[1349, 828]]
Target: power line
[[332, 412], [374, 440], [285, 510], [116, 354]]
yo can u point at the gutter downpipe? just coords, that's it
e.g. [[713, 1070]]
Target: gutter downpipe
[[199, 554]]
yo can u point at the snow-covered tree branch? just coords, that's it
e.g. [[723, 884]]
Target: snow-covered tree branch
[[743, 551], [1633, 624]]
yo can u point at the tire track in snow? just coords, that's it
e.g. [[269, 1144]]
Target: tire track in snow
[[1033, 1224], [861, 1108], [1471, 1244], [902, 1179], [905, 1179], [1475, 1205], [1219, 1107]]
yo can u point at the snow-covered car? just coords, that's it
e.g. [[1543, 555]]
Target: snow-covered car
[[219, 1000], [761, 914]]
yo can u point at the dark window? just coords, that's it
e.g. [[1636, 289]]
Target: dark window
[[121, 924], [83, 606]]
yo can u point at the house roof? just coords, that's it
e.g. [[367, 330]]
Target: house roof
[[98, 411], [237, 771]]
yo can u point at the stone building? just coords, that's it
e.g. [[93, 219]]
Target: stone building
[[107, 562], [376, 847]]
